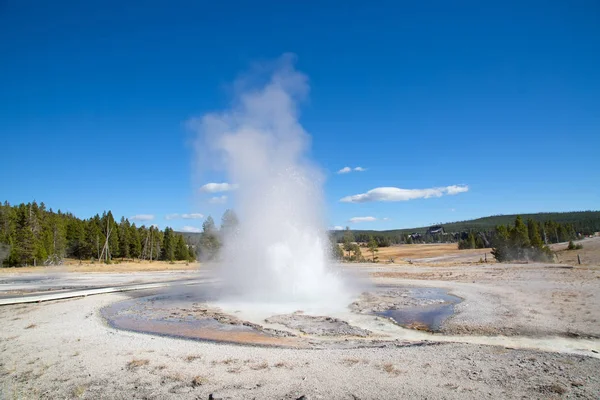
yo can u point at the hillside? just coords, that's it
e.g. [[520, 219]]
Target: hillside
[[581, 220]]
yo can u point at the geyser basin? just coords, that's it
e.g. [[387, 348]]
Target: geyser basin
[[189, 314], [186, 315]]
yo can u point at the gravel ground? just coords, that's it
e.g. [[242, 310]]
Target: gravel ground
[[65, 349]]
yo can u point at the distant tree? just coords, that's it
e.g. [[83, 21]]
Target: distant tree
[[373, 248], [356, 253], [124, 238], [534, 234], [209, 240], [208, 226], [168, 247], [229, 222], [181, 250], [519, 233], [348, 241], [135, 243], [336, 251]]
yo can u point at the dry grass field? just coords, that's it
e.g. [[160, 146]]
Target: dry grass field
[[435, 252], [117, 266], [590, 253]]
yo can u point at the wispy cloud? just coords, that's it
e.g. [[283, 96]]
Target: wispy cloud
[[142, 217], [336, 228], [385, 219], [398, 194], [346, 170], [218, 187], [456, 189], [192, 216], [184, 216], [191, 229], [218, 200], [355, 220]]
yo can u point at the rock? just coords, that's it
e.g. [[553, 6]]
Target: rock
[[577, 382]]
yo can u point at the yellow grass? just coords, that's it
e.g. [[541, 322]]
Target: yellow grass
[[116, 266], [410, 251]]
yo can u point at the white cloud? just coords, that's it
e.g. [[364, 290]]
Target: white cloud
[[192, 216], [142, 217], [336, 228], [346, 170], [188, 228], [218, 187], [385, 219], [397, 194], [218, 200], [184, 216], [355, 220], [456, 189]]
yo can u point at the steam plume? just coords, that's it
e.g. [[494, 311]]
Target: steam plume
[[279, 253]]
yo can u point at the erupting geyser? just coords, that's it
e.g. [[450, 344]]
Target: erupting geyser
[[279, 255]]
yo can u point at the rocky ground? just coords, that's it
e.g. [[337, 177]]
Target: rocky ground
[[521, 331]]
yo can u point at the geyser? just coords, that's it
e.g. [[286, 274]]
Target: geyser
[[279, 254]]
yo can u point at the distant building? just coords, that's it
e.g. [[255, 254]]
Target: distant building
[[435, 230]]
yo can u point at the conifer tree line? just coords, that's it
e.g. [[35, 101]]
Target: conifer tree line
[[584, 223], [527, 241], [30, 234]]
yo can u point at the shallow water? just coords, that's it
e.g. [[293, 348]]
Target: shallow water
[[428, 317]]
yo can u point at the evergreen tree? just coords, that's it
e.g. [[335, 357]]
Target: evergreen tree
[[135, 243], [372, 246], [336, 251], [534, 234], [124, 238], [168, 248], [229, 222], [181, 250], [348, 241], [209, 241]]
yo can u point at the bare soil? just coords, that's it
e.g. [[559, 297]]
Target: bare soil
[[521, 331]]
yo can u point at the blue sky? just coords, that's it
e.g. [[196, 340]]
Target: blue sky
[[503, 97]]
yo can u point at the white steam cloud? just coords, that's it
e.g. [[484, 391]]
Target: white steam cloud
[[279, 253], [397, 194]]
